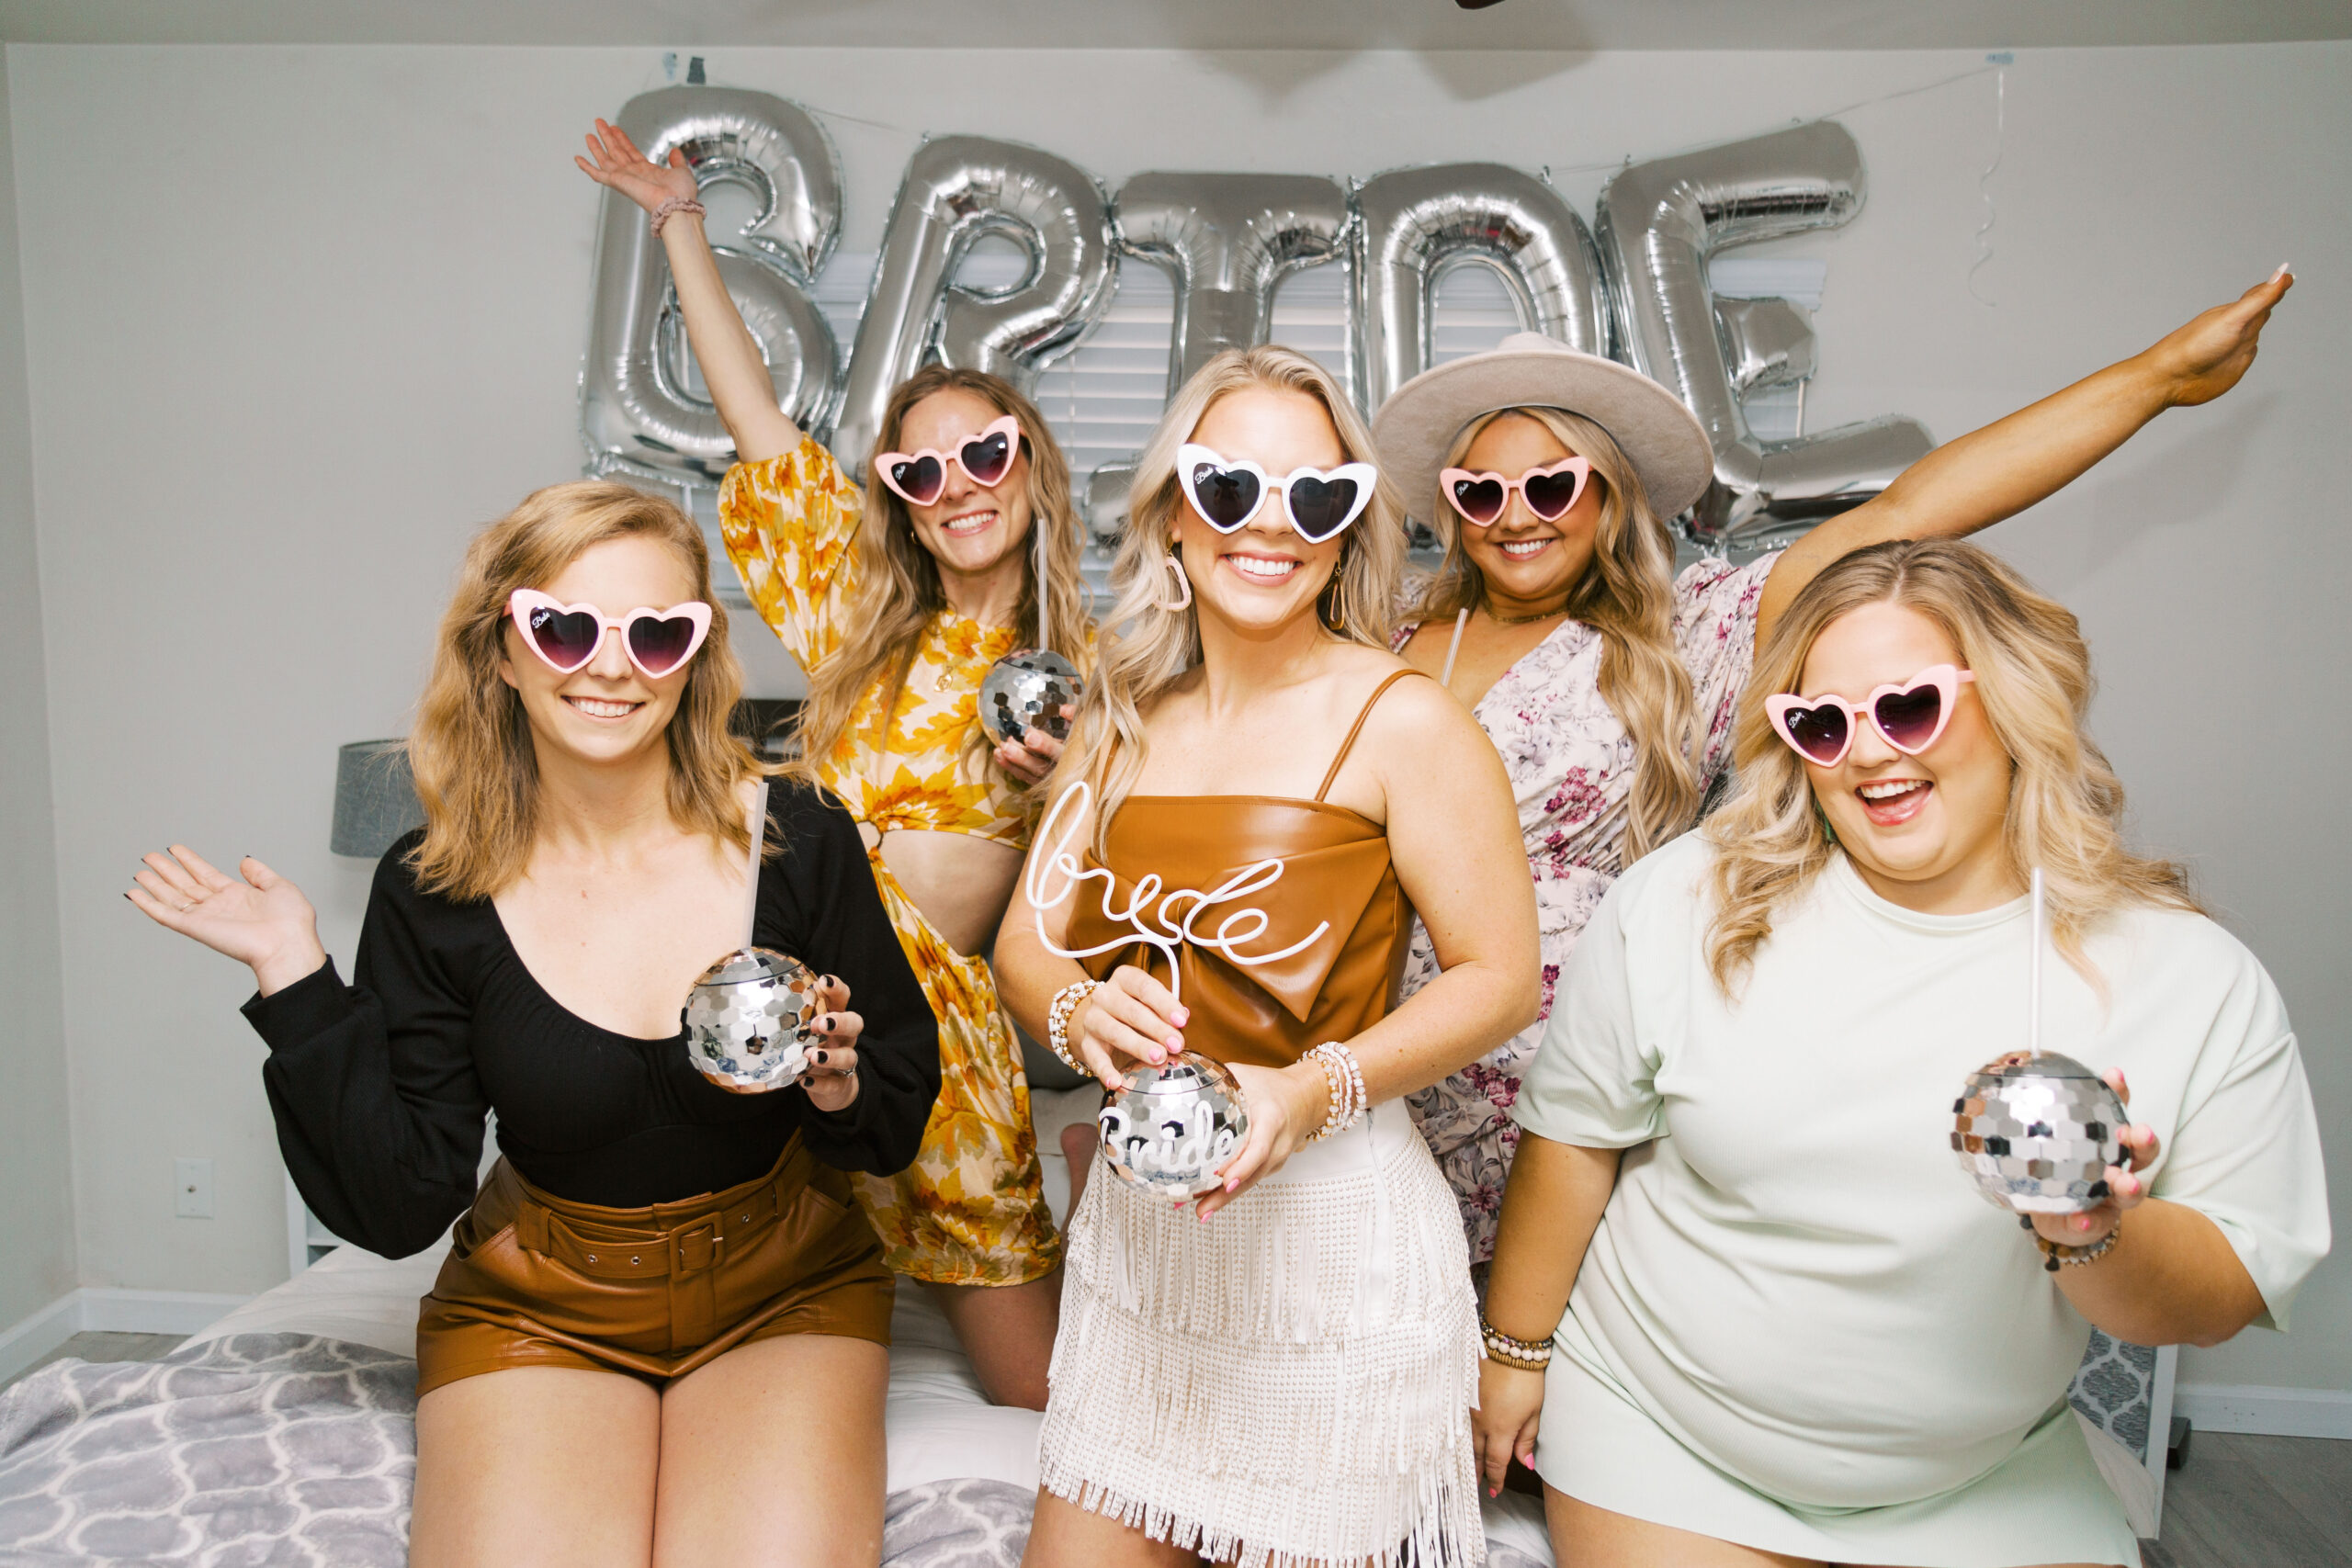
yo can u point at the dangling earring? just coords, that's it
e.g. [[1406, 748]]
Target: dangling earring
[[1184, 584], [1336, 621]]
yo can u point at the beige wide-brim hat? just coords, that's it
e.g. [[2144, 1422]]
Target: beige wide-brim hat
[[1418, 424]]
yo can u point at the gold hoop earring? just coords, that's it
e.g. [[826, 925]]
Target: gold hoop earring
[[1338, 620], [1184, 584]]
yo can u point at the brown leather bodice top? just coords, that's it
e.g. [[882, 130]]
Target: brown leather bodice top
[[1190, 854]]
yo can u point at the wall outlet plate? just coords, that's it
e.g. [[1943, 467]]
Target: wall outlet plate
[[192, 1188]]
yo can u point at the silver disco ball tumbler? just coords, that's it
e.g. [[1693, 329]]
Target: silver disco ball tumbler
[[1168, 1128], [1025, 691], [2036, 1132], [747, 1019]]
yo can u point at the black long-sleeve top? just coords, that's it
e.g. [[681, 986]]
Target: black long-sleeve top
[[381, 1089]]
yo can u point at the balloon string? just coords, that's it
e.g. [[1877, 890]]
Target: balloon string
[[1984, 180], [2033, 969]]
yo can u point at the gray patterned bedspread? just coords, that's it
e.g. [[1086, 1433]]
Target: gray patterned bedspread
[[289, 1450]]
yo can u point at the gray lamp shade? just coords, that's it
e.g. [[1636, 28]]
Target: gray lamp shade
[[374, 797]]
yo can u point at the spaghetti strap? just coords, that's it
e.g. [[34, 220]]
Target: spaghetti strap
[[1460, 621], [1357, 729]]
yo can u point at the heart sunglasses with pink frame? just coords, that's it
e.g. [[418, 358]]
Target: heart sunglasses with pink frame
[[985, 455], [1549, 491], [567, 637], [1908, 716]]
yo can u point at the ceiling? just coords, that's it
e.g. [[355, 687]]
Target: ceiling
[[1344, 24]]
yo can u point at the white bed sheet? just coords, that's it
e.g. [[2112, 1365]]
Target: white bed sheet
[[941, 1426]]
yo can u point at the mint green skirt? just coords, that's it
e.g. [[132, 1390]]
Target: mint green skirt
[[2044, 1504]]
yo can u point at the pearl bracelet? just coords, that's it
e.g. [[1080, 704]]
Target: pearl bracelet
[[2054, 1253], [1066, 1002], [1523, 1355], [1345, 1081]]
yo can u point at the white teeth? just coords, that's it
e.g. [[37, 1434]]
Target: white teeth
[[596, 709], [1523, 548], [970, 523], [1889, 788], [1258, 567]]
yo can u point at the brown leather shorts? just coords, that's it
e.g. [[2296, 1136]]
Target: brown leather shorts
[[536, 1280]]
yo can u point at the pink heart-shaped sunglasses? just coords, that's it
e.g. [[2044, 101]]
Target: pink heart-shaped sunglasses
[[1908, 716], [568, 637], [985, 456]]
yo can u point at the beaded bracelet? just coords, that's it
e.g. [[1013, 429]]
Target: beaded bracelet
[[1524, 1355], [674, 204], [2054, 1253], [1066, 1002], [1345, 1080]]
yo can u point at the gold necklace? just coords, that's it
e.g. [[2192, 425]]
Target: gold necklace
[[1522, 620]]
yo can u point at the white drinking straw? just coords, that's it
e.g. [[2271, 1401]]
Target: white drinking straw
[[759, 842], [2034, 982], [1043, 641]]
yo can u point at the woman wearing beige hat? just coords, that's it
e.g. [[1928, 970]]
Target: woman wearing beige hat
[[1607, 681]]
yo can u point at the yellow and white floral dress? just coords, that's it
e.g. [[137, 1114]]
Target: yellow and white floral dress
[[971, 1210]]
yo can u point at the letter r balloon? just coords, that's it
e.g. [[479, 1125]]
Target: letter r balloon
[[958, 189], [637, 413]]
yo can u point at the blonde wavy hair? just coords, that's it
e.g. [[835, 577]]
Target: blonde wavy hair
[[477, 772], [1627, 595], [1155, 646], [897, 589], [2033, 676]]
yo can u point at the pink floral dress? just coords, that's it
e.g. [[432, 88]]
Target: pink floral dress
[[1571, 766]]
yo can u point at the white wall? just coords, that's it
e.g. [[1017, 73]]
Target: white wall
[[36, 1159], [299, 319]]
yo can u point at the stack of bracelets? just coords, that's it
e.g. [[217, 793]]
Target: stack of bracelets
[[2053, 1253], [1344, 1079], [1066, 1002], [1524, 1355]]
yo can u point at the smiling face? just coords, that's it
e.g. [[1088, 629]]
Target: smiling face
[[969, 529], [1264, 575], [608, 710], [1528, 564], [1924, 832]]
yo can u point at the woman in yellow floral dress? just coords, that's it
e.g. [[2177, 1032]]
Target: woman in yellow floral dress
[[897, 607]]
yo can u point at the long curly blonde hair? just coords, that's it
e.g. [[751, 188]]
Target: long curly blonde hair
[[477, 773], [1627, 595], [898, 587], [2033, 676], [1155, 647]]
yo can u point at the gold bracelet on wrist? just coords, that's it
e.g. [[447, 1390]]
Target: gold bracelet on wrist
[[1523, 1354], [1057, 1016]]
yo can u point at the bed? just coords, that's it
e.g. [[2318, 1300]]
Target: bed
[[283, 1434]]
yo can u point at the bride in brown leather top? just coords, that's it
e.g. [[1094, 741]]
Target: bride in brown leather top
[[1256, 798]]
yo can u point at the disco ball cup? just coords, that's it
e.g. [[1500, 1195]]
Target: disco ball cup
[[1025, 691], [747, 1019], [1168, 1128], [2036, 1131]]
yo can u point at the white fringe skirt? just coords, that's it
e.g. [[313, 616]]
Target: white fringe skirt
[[1287, 1386]]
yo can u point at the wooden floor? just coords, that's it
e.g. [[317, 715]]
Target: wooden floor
[[2248, 1502], [2240, 1501]]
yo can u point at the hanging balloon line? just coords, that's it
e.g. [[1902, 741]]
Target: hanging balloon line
[[1984, 178]]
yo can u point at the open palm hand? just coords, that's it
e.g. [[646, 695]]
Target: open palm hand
[[256, 918], [615, 162], [2206, 356]]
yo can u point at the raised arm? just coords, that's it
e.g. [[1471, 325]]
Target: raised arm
[[729, 357], [1998, 471]]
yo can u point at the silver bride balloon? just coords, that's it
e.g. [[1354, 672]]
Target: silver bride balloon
[[1168, 1128], [1027, 690], [747, 1020], [1659, 223], [1227, 240], [1416, 221], [958, 189], [2036, 1132], [636, 412]]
